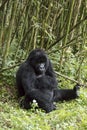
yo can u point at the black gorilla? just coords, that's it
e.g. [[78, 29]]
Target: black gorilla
[[36, 80]]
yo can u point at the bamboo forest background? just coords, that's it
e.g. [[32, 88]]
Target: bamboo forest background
[[58, 26]]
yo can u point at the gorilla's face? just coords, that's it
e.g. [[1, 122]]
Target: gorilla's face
[[39, 61]]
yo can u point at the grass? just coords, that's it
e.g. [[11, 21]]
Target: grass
[[70, 115]]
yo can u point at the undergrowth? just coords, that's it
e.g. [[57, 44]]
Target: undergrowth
[[70, 115]]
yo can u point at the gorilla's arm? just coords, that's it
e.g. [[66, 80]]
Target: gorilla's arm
[[28, 82], [48, 80]]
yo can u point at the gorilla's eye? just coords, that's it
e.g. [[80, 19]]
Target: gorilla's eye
[[42, 59]]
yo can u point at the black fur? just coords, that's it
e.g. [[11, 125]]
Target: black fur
[[40, 84]]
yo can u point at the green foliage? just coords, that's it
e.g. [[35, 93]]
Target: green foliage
[[68, 116]]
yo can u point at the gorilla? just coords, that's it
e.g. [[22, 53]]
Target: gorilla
[[36, 80]]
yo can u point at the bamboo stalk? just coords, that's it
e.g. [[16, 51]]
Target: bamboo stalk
[[44, 23], [10, 27], [76, 15]]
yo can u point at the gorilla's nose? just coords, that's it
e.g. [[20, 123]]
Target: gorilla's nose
[[42, 66]]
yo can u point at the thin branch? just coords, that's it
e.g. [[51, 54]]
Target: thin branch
[[64, 76], [9, 68], [67, 44], [68, 78], [69, 32]]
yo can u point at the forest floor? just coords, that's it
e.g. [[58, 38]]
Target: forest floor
[[70, 115]]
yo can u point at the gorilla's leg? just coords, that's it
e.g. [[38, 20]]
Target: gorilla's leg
[[66, 94], [44, 99], [47, 106]]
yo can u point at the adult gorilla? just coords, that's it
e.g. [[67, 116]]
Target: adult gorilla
[[36, 80]]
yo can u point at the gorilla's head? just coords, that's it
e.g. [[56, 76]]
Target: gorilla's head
[[39, 61]]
